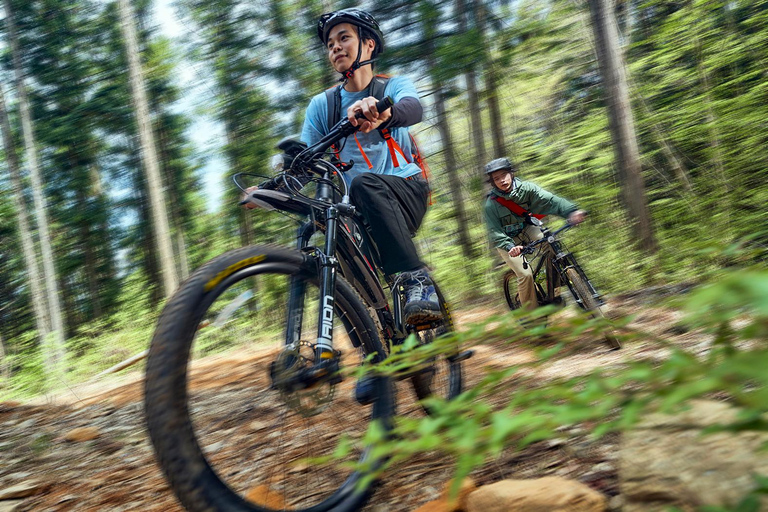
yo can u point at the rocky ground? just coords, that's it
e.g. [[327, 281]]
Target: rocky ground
[[88, 449]]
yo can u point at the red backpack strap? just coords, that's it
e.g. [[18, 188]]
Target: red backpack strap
[[514, 207], [417, 158], [365, 157], [394, 147]]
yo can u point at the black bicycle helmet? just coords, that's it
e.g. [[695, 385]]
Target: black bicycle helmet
[[498, 165], [356, 17]]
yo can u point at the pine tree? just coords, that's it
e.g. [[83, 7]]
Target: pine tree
[[614, 74], [149, 153], [56, 353], [38, 299]]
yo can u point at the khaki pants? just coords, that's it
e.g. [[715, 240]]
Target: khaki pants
[[525, 287]]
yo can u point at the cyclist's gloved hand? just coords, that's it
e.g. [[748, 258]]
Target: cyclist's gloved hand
[[577, 217], [515, 251], [372, 117]]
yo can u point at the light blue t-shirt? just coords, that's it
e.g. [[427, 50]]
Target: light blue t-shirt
[[374, 146]]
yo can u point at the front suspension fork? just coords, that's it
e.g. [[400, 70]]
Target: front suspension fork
[[328, 266]]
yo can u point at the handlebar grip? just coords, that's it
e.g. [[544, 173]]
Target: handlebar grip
[[382, 105]]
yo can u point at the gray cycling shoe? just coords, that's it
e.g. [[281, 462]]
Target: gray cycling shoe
[[421, 301]]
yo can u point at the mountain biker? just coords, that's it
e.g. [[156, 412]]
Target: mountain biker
[[508, 230], [385, 187]]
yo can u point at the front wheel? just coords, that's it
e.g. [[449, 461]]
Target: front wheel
[[587, 301], [228, 438], [513, 298]]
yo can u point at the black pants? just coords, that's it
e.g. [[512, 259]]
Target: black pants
[[394, 208]]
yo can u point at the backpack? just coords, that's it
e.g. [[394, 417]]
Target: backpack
[[375, 89]]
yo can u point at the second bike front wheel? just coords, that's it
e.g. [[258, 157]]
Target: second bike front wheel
[[226, 437], [510, 291], [589, 303]]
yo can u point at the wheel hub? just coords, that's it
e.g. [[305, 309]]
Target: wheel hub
[[296, 376]]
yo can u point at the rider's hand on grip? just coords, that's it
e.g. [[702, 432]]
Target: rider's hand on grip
[[516, 251], [371, 112], [577, 217], [244, 200], [270, 184]]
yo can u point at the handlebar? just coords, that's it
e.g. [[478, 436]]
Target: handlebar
[[343, 128], [304, 157], [271, 184], [528, 248]]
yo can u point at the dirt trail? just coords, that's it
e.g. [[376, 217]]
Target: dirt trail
[[116, 469]]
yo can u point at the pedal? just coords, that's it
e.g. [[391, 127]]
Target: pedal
[[461, 356]]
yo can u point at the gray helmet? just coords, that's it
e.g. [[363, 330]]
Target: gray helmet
[[498, 165]]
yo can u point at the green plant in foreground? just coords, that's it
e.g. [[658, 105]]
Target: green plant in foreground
[[515, 406]]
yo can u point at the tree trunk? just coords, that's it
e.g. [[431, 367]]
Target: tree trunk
[[176, 217], [54, 354], [151, 266], [148, 152], [625, 10], [681, 171], [91, 262], [39, 303], [491, 87], [451, 169], [711, 119], [621, 121], [475, 117]]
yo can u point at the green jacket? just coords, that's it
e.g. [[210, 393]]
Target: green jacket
[[503, 225]]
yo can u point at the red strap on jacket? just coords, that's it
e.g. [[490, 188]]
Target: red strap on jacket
[[514, 207]]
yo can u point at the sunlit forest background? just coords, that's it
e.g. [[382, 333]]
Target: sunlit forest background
[[82, 272]]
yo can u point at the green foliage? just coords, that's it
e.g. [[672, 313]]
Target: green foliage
[[28, 376], [511, 408]]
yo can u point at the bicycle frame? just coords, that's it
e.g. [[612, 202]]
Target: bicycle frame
[[560, 261], [345, 235], [347, 249]]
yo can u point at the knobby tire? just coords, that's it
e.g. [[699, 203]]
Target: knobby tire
[[589, 303], [197, 483]]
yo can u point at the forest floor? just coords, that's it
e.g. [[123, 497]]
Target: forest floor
[[113, 465]]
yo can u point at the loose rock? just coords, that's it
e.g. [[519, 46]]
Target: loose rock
[[667, 461], [549, 494]]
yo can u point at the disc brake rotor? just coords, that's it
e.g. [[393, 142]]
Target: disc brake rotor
[[306, 402]]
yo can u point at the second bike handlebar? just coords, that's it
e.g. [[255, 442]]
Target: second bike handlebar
[[528, 248]]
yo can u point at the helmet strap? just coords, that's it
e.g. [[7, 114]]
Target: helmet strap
[[349, 73]]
